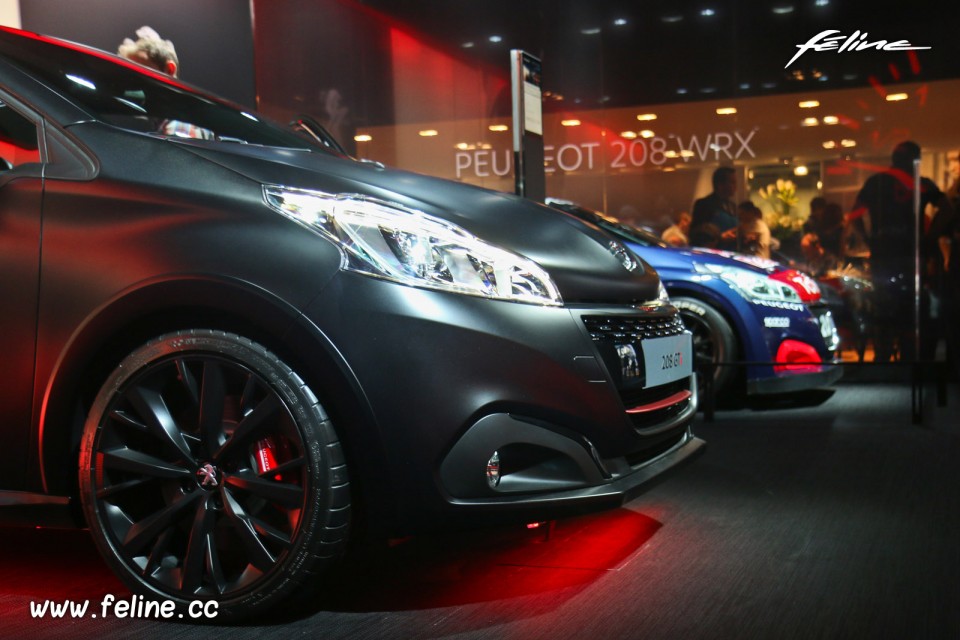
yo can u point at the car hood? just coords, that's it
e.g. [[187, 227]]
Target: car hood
[[577, 256]]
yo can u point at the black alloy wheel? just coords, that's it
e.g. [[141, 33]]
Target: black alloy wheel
[[209, 471], [713, 340]]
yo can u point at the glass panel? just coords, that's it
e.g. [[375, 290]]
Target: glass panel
[[643, 103]]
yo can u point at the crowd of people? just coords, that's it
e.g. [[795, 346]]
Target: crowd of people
[[877, 241]]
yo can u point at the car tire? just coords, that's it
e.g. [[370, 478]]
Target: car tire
[[208, 471], [713, 339]]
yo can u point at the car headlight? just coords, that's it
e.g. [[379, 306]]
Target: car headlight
[[754, 286], [410, 247]]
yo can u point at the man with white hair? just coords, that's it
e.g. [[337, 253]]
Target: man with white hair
[[151, 51]]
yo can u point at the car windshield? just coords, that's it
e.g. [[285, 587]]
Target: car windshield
[[610, 224], [126, 95]]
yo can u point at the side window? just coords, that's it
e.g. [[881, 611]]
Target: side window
[[18, 139]]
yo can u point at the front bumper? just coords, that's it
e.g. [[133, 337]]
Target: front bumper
[[449, 379], [810, 324], [792, 382]]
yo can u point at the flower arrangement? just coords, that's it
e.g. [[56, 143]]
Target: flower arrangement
[[784, 219]]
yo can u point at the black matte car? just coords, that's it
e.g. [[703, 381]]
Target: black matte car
[[228, 354]]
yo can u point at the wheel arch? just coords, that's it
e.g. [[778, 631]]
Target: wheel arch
[[164, 306], [719, 304]]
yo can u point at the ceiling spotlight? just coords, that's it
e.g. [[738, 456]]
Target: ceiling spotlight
[[896, 97], [467, 45], [572, 122], [809, 122], [801, 170], [848, 143], [363, 137], [498, 127], [429, 133], [829, 144], [671, 19], [809, 104], [495, 38], [590, 31], [708, 12], [831, 120], [726, 111], [646, 117], [783, 10], [629, 135], [647, 133], [620, 22]]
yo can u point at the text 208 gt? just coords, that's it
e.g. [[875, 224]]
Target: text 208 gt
[[224, 355]]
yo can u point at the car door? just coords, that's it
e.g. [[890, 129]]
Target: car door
[[21, 193]]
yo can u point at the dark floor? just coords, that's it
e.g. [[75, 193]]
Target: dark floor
[[833, 518]]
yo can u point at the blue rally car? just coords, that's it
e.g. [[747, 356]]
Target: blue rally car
[[740, 309]]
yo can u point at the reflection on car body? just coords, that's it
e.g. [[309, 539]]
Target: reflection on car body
[[224, 354]]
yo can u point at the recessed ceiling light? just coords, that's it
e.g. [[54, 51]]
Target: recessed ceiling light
[[897, 97], [498, 127], [744, 85], [671, 19], [708, 12], [363, 137], [629, 135], [495, 38], [620, 22], [809, 104], [783, 10], [467, 45], [647, 133], [848, 143], [590, 31], [801, 170], [726, 111], [646, 117], [831, 120], [682, 91], [809, 122], [429, 133], [572, 122], [829, 144]]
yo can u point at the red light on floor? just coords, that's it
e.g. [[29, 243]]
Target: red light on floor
[[798, 357]]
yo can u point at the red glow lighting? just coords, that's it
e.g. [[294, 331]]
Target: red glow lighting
[[799, 357]]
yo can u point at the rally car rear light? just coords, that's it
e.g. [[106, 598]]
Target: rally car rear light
[[805, 286]]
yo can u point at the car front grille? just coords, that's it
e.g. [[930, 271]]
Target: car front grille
[[653, 395], [653, 406], [623, 329]]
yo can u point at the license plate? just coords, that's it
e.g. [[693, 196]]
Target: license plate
[[667, 359]]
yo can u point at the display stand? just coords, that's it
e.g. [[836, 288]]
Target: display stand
[[530, 178], [916, 392]]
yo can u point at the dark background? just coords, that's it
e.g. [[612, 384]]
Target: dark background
[[213, 38]]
